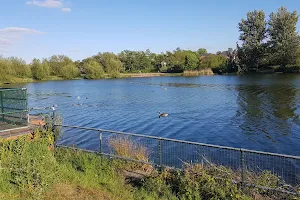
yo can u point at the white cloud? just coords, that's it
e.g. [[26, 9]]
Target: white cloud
[[49, 4], [66, 9], [18, 30], [4, 41], [46, 3], [9, 36]]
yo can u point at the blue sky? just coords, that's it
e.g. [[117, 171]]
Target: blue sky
[[82, 28]]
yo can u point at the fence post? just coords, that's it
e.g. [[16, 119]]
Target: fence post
[[27, 109], [100, 137], [159, 153], [243, 167], [2, 109]]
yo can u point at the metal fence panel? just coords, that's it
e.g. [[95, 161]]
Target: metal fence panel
[[247, 166], [13, 108]]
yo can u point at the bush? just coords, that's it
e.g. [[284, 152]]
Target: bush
[[27, 165], [39, 70], [69, 71], [93, 70]]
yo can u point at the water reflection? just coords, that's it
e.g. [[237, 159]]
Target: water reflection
[[267, 110], [253, 112]]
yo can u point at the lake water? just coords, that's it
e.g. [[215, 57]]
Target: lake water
[[259, 112]]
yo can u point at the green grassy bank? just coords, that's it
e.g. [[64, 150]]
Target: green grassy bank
[[31, 168]]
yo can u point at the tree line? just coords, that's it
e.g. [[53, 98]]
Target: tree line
[[264, 43], [269, 42], [108, 64]]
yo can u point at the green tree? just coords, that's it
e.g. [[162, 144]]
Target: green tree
[[214, 61], [298, 57], [6, 71], [284, 39], [191, 60], [69, 71], [38, 70], [253, 34], [61, 65], [110, 62], [138, 61], [20, 68], [202, 51], [93, 70], [57, 64]]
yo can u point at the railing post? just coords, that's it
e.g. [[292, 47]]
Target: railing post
[[2, 109], [27, 109], [243, 167], [100, 137], [159, 154]]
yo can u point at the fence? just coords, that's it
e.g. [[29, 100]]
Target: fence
[[249, 166], [13, 108]]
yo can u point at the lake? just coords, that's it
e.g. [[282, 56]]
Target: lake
[[259, 112]]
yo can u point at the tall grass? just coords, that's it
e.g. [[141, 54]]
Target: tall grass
[[123, 146], [31, 169], [200, 72]]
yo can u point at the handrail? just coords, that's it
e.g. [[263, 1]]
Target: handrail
[[184, 141]]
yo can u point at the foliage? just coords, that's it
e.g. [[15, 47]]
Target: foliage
[[213, 61], [199, 72], [267, 44], [298, 56], [125, 147], [92, 69], [63, 66], [263, 44], [19, 67], [13, 67], [32, 169], [39, 70], [194, 182], [27, 165], [201, 51], [137, 61], [284, 39], [253, 34]]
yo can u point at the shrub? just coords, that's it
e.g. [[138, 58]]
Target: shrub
[[93, 70], [39, 70], [28, 164]]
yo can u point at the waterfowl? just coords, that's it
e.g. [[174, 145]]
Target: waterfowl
[[162, 115]]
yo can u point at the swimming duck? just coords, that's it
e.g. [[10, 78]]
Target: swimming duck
[[162, 114]]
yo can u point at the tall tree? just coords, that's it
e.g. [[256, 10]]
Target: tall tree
[[38, 69], [284, 39], [92, 69], [202, 51], [253, 34]]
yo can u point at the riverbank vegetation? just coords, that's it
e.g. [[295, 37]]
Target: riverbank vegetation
[[269, 42], [266, 45], [31, 168]]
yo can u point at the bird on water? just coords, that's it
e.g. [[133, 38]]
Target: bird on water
[[162, 114]]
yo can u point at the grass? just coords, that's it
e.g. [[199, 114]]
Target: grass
[[200, 72], [30, 168], [125, 147], [29, 80]]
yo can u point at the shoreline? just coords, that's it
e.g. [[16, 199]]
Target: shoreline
[[129, 75], [55, 78], [141, 75]]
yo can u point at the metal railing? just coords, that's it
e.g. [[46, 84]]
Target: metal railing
[[249, 165], [13, 108]]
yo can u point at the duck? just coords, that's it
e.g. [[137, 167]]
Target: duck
[[162, 114]]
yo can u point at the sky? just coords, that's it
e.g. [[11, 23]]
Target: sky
[[82, 28]]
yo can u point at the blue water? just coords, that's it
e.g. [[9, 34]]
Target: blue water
[[259, 112]]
